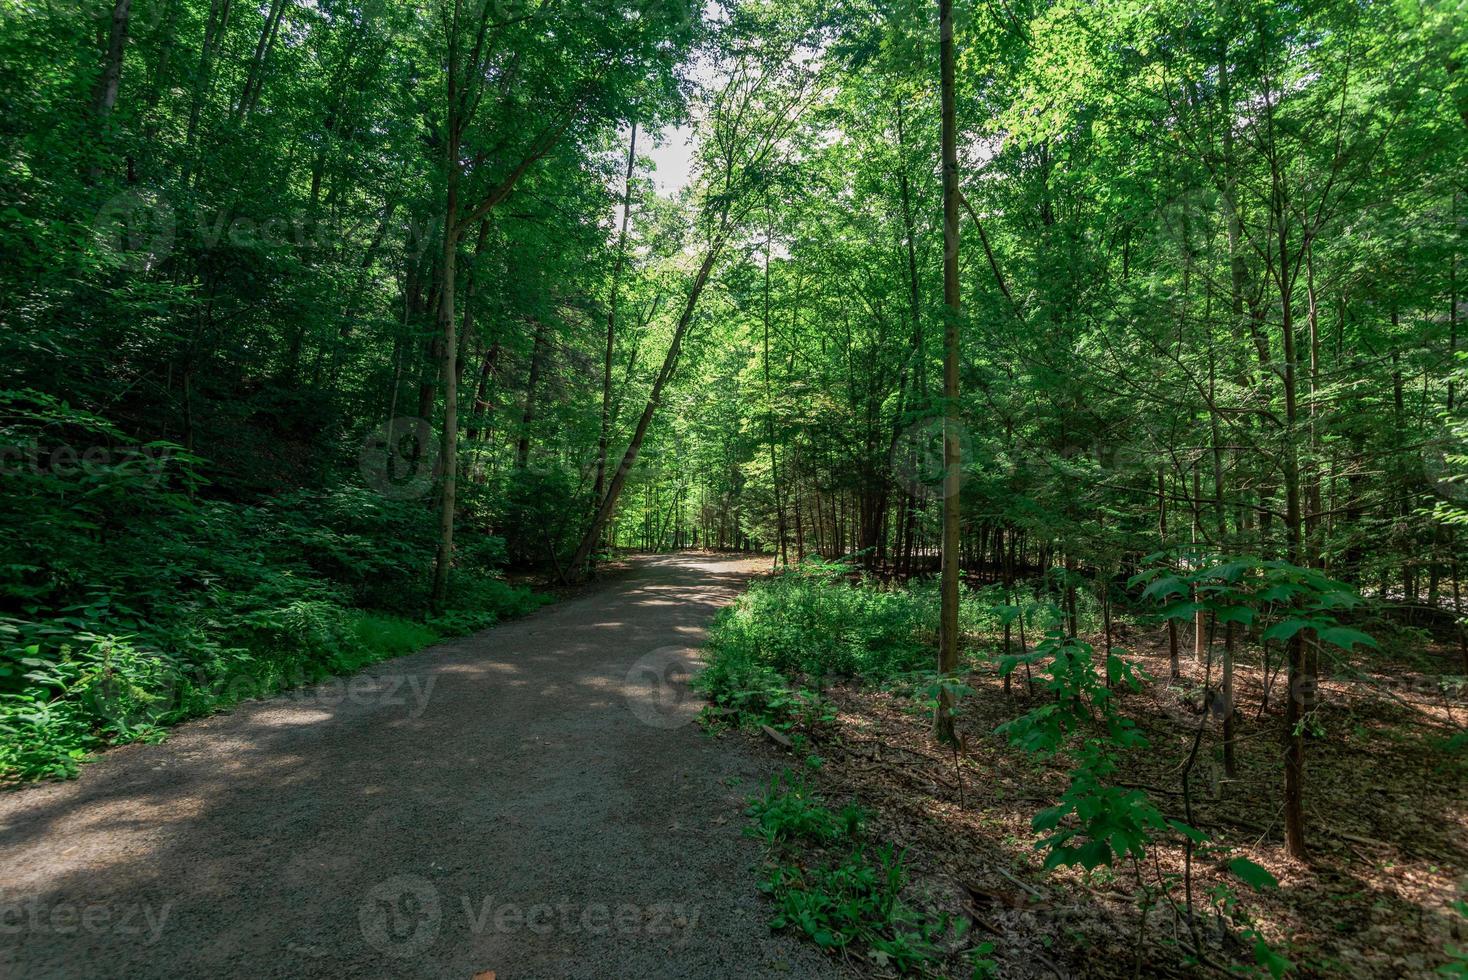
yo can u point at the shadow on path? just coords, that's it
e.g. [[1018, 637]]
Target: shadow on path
[[532, 800]]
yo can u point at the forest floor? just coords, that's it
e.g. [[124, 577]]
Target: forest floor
[[1387, 808], [532, 800]]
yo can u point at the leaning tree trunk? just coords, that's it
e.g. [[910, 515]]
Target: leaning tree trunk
[[582, 557], [606, 377]]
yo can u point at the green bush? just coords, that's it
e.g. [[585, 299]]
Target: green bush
[[131, 603], [808, 624], [790, 811], [808, 621], [846, 893]]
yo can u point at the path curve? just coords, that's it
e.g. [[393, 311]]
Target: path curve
[[509, 801]]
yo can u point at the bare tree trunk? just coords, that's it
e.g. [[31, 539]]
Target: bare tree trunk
[[1236, 313], [104, 96], [1174, 672], [780, 551], [799, 526], [580, 560], [459, 110], [527, 418], [214, 29], [1200, 635], [481, 393], [255, 78], [606, 376], [948, 616], [1300, 700], [1230, 763], [448, 368], [1452, 305]]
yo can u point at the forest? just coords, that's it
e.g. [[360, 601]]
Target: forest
[[1081, 377]]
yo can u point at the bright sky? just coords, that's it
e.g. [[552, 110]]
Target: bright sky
[[672, 157], [672, 150]]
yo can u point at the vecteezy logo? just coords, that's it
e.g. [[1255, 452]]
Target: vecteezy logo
[[399, 459], [136, 227], [657, 688], [400, 916], [129, 705], [918, 462]]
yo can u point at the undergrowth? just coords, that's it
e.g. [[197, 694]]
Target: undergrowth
[[770, 653], [835, 887], [132, 602]]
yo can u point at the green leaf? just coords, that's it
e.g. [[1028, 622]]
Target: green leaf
[[1181, 610], [1276, 964], [1280, 592], [1252, 874], [1191, 833], [1229, 571], [1164, 587], [1235, 614], [1346, 638], [1049, 818], [1285, 628]]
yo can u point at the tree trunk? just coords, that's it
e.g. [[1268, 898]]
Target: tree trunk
[[214, 29], [606, 376], [449, 373], [1200, 634], [948, 615], [582, 557], [527, 418], [104, 96], [780, 553], [255, 78], [1301, 697]]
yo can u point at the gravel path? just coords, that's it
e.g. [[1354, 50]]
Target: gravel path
[[532, 800]]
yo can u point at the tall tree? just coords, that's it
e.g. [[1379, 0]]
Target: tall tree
[[952, 461]]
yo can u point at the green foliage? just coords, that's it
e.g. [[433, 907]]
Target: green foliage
[[807, 622], [1081, 696], [791, 811], [1109, 823], [540, 512], [136, 604], [983, 966], [810, 622], [1251, 591], [746, 688], [1095, 823], [1457, 964], [848, 897], [83, 692], [1252, 874], [1268, 959], [854, 901]]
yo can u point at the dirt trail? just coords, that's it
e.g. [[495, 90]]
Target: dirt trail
[[532, 800]]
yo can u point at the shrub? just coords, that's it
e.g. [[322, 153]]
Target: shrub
[[848, 892], [130, 603], [807, 621]]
